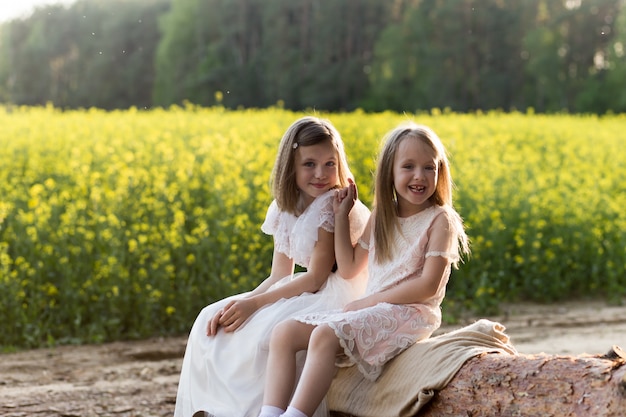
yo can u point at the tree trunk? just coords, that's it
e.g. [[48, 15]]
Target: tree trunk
[[534, 385]]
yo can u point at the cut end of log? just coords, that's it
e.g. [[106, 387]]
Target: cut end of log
[[615, 352]]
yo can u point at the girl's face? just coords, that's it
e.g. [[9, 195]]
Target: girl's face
[[415, 173], [316, 170]]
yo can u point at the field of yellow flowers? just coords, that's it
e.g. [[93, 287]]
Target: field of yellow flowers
[[124, 224]]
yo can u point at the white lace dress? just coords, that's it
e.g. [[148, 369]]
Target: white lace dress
[[372, 336], [225, 374]]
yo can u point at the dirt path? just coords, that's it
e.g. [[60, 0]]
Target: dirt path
[[140, 378]]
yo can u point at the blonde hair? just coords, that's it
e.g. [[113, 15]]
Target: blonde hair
[[385, 201], [306, 131]]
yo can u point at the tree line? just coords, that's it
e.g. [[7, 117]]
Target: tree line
[[335, 55]]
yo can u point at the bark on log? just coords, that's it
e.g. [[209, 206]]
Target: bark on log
[[534, 385]]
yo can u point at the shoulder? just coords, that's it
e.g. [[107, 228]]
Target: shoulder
[[360, 210], [448, 222], [446, 216], [439, 221], [359, 216], [274, 218], [273, 207]]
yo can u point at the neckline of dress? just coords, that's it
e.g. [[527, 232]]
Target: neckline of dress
[[319, 197], [413, 216]]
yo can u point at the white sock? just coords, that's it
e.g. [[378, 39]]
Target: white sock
[[293, 412], [270, 411]]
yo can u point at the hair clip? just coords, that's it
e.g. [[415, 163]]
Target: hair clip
[[295, 145]]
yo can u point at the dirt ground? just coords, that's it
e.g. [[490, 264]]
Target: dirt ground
[[140, 378]]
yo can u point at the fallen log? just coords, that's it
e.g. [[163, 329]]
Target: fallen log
[[475, 371], [532, 385]]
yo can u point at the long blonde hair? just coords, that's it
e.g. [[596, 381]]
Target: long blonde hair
[[306, 131], [385, 201]]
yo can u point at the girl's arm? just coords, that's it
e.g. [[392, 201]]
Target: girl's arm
[[282, 266], [411, 291], [320, 267], [424, 287], [350, 259], [238, 311]]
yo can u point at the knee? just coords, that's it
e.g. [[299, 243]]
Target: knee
[[282, 335], [281, 330], [290, 336], [324, 338]]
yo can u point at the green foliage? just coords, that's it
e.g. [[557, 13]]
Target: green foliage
[[124, 224], [96, 53], [335, 55], [259, 53]]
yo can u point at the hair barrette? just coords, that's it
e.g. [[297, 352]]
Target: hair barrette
[[295, 145]]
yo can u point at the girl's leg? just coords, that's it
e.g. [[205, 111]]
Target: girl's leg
[[288, 338], [319, 370]]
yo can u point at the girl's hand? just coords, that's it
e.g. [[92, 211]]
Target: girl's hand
[[214, 323], [345, 198], [236, 313], [232, 316]]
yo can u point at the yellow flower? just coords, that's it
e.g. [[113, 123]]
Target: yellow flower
[[51, 290]]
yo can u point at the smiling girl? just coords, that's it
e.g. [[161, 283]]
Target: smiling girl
[[224, 366]]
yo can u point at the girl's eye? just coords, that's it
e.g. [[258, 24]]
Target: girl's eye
[[309, 164], [330, 164]]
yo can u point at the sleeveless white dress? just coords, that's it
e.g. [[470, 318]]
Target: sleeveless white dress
[[372, 336], [224, 375]]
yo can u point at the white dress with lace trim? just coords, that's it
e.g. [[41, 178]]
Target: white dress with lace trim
[[224, 375]]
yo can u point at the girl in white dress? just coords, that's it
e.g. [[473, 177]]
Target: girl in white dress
[[413, 239], [223, 370]]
